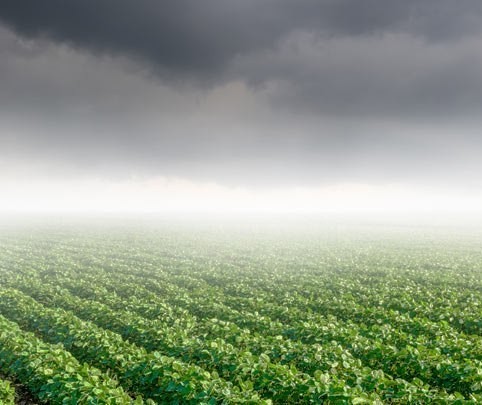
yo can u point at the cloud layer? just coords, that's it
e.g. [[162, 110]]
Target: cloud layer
[[243, 92], [202, 38]]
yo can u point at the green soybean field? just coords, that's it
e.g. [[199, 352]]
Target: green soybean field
[[158, 313]]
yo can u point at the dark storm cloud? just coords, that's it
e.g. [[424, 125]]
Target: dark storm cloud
[[298, 91], [201, 38], [393, 76]]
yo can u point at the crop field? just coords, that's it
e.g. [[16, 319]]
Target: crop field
[[156, 313]]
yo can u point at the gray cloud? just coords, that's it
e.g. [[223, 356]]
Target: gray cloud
[[201, 38], [342, 57], [243, 92], [394, 75]]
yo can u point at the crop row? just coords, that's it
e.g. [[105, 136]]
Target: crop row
[[328, 357], [7, 393], [439, 354], [275, 382], [52, 373], [392, 324], [363, 283], [152, 375], [405, 292]]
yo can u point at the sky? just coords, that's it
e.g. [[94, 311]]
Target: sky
[[240, 105]]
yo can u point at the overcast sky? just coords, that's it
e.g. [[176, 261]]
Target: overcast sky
[[252, 94]]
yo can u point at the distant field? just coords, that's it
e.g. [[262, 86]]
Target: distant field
[[217, 314]]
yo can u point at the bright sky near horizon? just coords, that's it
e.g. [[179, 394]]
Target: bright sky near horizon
[[177, 196]]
